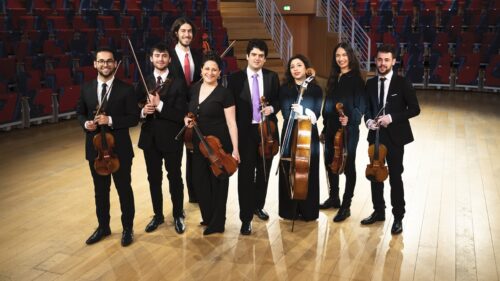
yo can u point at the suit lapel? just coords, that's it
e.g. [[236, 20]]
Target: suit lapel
[[246, 94]]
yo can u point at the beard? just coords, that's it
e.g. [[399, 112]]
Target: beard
[[383, 73], [106, 75]]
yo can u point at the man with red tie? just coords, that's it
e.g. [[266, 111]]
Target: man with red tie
[[186, 64]]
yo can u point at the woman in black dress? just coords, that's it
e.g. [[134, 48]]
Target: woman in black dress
[[213, 107], [310, 106], [346, 86]]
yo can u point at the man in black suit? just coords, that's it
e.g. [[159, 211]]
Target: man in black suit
[[119, 113], [248, 86], [400, 101], [186, 65], [163, 116]]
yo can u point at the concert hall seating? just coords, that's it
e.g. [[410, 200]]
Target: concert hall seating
[[45, 46], [452, 39]]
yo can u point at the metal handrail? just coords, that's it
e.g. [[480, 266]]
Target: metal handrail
[[341, 21], [276, 25]]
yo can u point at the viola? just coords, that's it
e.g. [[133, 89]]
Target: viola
[[377, 171], [221, 162], [340, 145], [269, 146], [106, 161]]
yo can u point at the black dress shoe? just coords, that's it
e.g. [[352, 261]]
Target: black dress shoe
[[397, 226], [210, 230], [246, 228], [154, 223], [179, 225], [98, 234], [330, 203], [374, 217], [342, 215], [261, 214], [127, 237]]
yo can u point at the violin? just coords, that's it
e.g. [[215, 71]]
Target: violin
[[340, 145], [377, 171], [106, 161], [267, 129], [221, 162]]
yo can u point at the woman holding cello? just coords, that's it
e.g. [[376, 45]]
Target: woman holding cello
[[214, 115], [310, 106], [344, 106]]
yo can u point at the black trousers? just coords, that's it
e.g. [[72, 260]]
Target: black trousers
[[154, 161], [350, 166], [102, 184], [252, 188], [394, 159], [189, 177], [212, 193]]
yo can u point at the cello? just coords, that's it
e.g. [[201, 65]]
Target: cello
[[340, 145], [107, 161], [221, 162], [299, 142], [377, 171]]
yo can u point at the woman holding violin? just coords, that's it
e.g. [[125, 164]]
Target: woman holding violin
[[117, 112], [214, 115], [344, 106], [309, 107]]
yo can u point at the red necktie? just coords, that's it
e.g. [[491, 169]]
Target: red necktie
[[187, 69]]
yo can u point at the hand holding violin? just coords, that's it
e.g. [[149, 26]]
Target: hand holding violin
[[343, 120], [384, 120], [267, 110], [102, 119], [188, 122], [90, 125]]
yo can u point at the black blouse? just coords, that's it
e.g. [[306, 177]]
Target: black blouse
[[210, 115]]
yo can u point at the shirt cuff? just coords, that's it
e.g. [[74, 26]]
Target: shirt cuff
[[159, 107], [143, 115], [390, 117], [86, 125], [272, 109], [110, 122]]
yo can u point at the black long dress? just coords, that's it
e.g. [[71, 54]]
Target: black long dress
[[305, 209], [210, 190]]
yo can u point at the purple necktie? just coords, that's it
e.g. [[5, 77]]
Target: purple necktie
[[255, 98]]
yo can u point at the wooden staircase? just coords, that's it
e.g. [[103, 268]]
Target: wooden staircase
[[243, 23]]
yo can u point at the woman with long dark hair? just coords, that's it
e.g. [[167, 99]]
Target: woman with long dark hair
[[345, 86]]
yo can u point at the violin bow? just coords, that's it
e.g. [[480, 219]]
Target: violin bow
[[262, 116], [139, 68]]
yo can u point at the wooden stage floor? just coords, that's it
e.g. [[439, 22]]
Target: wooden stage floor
[[451, 229]]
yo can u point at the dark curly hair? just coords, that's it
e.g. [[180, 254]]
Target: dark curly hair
[[289, 80], [212, 56]]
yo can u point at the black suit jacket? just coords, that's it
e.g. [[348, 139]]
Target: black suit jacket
[[161, 128], [238, 84], [176, 63], [122, 107], [401, 104]]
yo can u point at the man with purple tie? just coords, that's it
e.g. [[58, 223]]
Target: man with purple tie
[[247, 87]]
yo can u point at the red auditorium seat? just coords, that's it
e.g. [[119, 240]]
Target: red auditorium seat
[[492, 75], [68, 98], [42, 103], [51, 48], [232, 64], [87, 72], [8, 107], [58, 22], [8, 69], [61, 76], [107, 21], [441, 74], [467, 74], [41, 7]]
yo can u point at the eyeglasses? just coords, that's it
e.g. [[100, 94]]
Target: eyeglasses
[[102, 62]]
